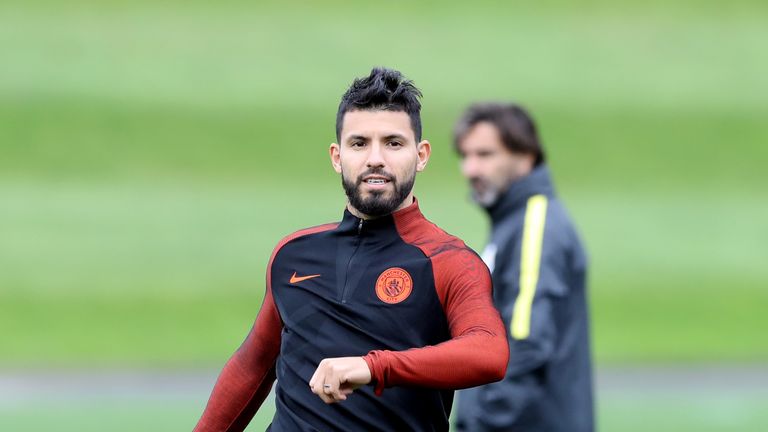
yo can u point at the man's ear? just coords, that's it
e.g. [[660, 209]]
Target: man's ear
[[424, 149], [525, 164], [335, 151]]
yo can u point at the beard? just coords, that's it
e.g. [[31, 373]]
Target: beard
[[378, 203], [484, 193]]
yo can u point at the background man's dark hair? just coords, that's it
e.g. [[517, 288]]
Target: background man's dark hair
[[383, 90], [515, 126]]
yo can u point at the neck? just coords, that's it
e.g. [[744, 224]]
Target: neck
[[518, 192]]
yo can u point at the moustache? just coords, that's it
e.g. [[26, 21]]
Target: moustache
[[378, 172], [477, 182]]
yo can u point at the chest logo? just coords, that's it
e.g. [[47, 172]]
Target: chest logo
[[296, 279], [394, 285]]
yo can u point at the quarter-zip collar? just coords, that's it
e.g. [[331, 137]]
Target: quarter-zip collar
[[516, 196], [402, 220]]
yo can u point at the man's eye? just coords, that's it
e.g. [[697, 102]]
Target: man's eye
[[357, 144], [395, 144]]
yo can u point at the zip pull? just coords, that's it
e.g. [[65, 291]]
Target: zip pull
[[360, 227]]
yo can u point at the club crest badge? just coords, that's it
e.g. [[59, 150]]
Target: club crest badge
[[394, 285]]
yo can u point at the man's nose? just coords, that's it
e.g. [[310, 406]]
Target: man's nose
[[375, 156], [468, 167]]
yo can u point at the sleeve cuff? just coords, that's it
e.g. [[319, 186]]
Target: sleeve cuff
[[374, 360]]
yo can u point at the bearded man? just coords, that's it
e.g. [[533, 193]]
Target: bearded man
[[539, 267], [370, 323]]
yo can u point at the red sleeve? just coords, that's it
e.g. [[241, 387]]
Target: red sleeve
[[477, 352], [247, 377]]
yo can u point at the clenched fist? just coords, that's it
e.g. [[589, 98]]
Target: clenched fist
[[335, 378]]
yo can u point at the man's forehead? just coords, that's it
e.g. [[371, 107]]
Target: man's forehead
[[377, 122], [482, 135]]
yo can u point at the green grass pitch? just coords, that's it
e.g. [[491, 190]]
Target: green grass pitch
[[152, 155]]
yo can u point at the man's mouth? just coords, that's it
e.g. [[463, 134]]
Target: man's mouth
[[477, 184], [376, 180]]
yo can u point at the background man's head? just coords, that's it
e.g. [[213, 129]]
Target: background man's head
[[379, 149], [498, 144]]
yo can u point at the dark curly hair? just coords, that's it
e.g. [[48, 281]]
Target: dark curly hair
[[383, 90]]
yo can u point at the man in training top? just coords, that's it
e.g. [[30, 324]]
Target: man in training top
[[368, 324]]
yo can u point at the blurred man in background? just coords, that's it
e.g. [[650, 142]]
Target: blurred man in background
[[346, 303], [538, 269]]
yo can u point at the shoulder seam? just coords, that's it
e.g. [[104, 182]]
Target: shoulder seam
[[305, 232], [445, 241], [291, 237]]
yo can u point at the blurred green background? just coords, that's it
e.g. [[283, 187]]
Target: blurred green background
[[153, 153]]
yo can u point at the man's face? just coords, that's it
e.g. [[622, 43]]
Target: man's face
[[488, 165], [378, 158]]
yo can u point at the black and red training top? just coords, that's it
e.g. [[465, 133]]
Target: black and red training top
[[414, 301]]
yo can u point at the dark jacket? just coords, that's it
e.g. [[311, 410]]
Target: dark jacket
[[539, 271], [410, 299]]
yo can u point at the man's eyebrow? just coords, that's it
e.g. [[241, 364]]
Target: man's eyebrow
[[357, 137], [395, 136]]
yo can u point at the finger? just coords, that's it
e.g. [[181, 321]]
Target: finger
[[338, 394], [334, 383], [326, 398], [319, 388], [314, 381], [331, 388]]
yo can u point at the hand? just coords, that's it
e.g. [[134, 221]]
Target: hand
[[335, 378]]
